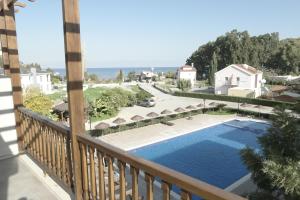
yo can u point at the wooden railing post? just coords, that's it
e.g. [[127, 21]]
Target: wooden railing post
[[4, 48], [71, 24], [14, 64]]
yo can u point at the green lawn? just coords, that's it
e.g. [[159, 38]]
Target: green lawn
[[104, 103], [57, 95], [91, 94]]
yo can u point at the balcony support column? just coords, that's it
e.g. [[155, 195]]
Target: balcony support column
[[3, 38], [13, 64], [71, 23]]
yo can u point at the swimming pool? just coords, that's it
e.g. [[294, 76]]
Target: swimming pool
[[210, 154]]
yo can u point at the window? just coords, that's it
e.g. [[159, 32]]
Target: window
[[41, 78], [237, 81], [226, 78]]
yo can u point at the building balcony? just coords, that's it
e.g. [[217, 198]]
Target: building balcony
[[106, 171]]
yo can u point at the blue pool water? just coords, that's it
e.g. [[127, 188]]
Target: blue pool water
[[210, 154]]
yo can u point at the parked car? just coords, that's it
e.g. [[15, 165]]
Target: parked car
[[147, 103]]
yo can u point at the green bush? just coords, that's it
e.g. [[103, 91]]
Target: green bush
[[37, 102], [262, 102], [142, 95], [162, 88], [184, 85], [105, 103]]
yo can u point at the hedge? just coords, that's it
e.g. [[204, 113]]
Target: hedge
[[162, 89], [250, 113], [263, 102]]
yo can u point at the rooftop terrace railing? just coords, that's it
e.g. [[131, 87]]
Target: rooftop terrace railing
[[48, 142]]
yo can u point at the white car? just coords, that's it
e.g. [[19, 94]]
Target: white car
[[147, 103]]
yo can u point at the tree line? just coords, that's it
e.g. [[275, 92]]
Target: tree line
[[265, 52]]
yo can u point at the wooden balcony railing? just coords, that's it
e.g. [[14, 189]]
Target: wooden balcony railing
[[96, 156], [48, 142], [106, 171]]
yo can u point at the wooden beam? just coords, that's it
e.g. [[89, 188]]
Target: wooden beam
[[6, 3], [14, 65], [20, 4], [71, 24], [4, 48]]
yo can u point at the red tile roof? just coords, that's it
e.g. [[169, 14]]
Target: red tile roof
[[248, 68], [187, 68]]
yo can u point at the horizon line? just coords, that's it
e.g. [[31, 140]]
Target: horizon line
[[60, 67]]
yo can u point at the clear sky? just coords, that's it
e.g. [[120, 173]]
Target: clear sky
[[122, 33]]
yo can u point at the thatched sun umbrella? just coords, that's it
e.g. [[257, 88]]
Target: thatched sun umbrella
[[166, 112], [179, 109], [190, 107], [152, 114], [200, 105], [212, 104], [102, 126], [137, 118], [244, 105], [119, 121]]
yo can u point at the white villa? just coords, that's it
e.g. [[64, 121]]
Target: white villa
[[41, 80], [239, 80], [147, 75], [187, 72]]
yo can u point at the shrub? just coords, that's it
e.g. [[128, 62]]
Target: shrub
[[141, 94], [163, 88], [184, 85], [39, 103], [105, 103]]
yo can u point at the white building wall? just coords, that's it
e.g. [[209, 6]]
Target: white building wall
[[246, 80], [8, 135], [40, 80], [188, 75], [221, 85]]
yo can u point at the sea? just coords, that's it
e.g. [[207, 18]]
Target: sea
[[111, 73]]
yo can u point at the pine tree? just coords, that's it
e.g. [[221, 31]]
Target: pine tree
[[276, 169], [213, 69]]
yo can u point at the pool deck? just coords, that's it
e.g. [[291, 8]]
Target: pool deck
[[138, 137], [135, 138]]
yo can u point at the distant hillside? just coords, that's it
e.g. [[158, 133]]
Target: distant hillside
[[265, 52]]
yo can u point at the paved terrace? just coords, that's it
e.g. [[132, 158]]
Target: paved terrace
[[166, 101], [134, 138], [21, 180]]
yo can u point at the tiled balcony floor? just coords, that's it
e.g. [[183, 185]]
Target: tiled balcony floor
[[19, 182]]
